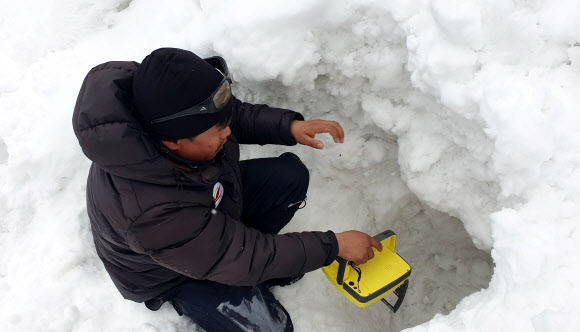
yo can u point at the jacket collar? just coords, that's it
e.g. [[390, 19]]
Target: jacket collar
[[202, 171]]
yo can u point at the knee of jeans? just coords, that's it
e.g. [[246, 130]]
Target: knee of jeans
[[297, 172]]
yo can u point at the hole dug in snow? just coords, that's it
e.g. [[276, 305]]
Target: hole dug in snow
[[446, 266], [358, 186]]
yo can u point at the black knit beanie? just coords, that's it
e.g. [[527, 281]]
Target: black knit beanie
[[170, 80]]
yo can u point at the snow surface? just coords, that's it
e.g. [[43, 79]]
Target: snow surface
[[462, 135]]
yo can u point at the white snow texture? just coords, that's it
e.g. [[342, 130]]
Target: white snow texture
[[462, 131]]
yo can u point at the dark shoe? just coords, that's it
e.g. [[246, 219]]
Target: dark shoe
[[154, 304]]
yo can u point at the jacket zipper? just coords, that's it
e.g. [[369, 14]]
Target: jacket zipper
[[238, 176]]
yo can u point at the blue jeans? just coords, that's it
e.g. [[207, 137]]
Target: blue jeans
[[273, 189]]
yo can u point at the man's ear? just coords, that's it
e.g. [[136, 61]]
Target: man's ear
[[171, 145]]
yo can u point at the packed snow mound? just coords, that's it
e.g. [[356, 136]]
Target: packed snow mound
[[457, 114]]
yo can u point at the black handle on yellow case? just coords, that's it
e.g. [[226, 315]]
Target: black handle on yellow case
[[385, 235], [342, 263], [341, 269], [400, 292]]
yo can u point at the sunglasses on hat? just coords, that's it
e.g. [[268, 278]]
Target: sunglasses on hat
[[215, 102]]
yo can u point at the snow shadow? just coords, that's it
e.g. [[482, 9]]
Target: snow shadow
[[3, 152], [124, 4]]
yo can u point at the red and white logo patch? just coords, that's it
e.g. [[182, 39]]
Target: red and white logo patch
[[218, 193]]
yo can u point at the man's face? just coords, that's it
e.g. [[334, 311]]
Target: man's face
[[203, 147]]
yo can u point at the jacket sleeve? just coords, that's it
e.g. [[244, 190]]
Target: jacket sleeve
[[201, 245], [261, 124]]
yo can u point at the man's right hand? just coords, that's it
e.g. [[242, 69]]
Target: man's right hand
[[356, 246]]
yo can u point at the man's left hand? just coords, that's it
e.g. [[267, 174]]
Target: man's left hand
[[305, 131]]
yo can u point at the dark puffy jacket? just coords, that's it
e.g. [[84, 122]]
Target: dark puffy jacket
[[152, 222]]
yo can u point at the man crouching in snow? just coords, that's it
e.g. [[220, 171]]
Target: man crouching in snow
[[175, 215]]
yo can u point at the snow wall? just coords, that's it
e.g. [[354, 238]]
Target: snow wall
[[461, 129]]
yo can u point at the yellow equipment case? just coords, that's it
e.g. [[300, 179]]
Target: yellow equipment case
[[386, 273]]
